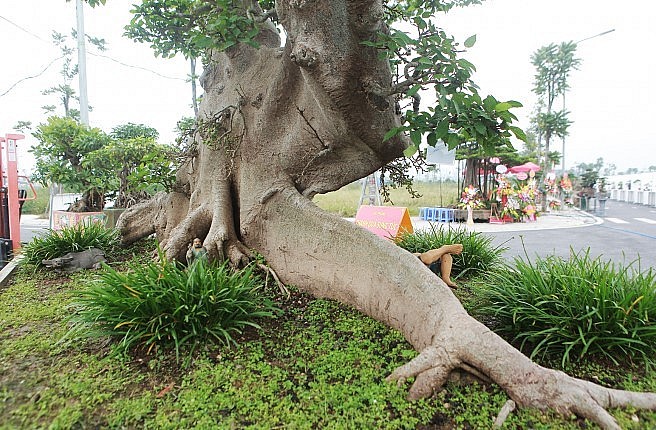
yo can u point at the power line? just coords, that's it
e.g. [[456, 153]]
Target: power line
[[31, 77], [135, 67], [596, 35], [95, 55], [25, 30], [60, 57]]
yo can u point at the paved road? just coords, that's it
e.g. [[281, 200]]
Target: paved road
[[627, 233], [31, 226]]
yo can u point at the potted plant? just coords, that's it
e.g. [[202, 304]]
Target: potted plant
[[602, 195], [140, 167], [469, 199], [61, 158], [98, 166]]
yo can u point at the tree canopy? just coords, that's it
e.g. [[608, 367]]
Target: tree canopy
[[553, 64], [124, 165], [423, 57]]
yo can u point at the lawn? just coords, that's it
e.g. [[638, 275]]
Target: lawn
[[344, 201], [316, 365]]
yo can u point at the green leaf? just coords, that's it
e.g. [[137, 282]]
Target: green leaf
[[414, 90], [402, 39], [471, 40], [390, 134], [410, 151], [453, 140], [503, 106], [442, 129], [518, 132], [415, 136], [489, 103], [203, 41], [431, 139], [480, 128]]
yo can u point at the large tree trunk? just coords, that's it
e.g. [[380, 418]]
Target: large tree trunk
[[278, 126]]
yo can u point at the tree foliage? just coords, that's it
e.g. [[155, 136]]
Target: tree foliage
[[553, 63], [422, 55], [426, 60], [62, 157], [63, 91], [190, 27], [125, 164]]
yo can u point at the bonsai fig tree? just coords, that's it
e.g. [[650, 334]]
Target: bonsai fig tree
[[277, 125]]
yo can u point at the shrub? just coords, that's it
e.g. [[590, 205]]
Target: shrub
[[162, 304], [478, 255], [576, 307], [70, 239]]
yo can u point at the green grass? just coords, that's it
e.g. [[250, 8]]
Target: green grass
[[478, 255], [318, 365], [574, 308], [39, 205], [79, 237], [344, 202], [164, 305]]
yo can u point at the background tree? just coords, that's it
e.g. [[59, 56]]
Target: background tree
[[278, 126], [479, 170], [588, 175], [171, 28], [64, 92], [553, 64], [610, 169], [129, 157], [127, 165], [62, 157], [530, 145]]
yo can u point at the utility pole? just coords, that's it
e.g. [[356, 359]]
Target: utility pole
[[82, 64]]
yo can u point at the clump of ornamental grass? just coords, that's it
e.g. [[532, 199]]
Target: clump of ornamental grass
[[164, 305], [574, 308], [478, 255], [76, 238]]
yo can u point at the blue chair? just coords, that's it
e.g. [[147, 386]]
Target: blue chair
[[431, 214], [445, 215]]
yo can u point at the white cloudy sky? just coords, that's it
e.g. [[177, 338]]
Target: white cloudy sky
[[611, 99]]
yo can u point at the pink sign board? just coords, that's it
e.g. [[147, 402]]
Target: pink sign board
[[384, 221]]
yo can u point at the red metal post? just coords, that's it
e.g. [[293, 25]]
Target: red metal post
[[10, 181]]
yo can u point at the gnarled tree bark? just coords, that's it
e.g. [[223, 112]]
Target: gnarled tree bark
[[279, 125]]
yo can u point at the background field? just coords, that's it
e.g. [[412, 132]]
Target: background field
[[344, 201], [39, 206]]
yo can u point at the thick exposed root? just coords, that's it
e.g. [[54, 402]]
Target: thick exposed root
[[222, 243], [542, 388], [181, 236], [176, 225], [330, 257], [431, 369], [157, 216]]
